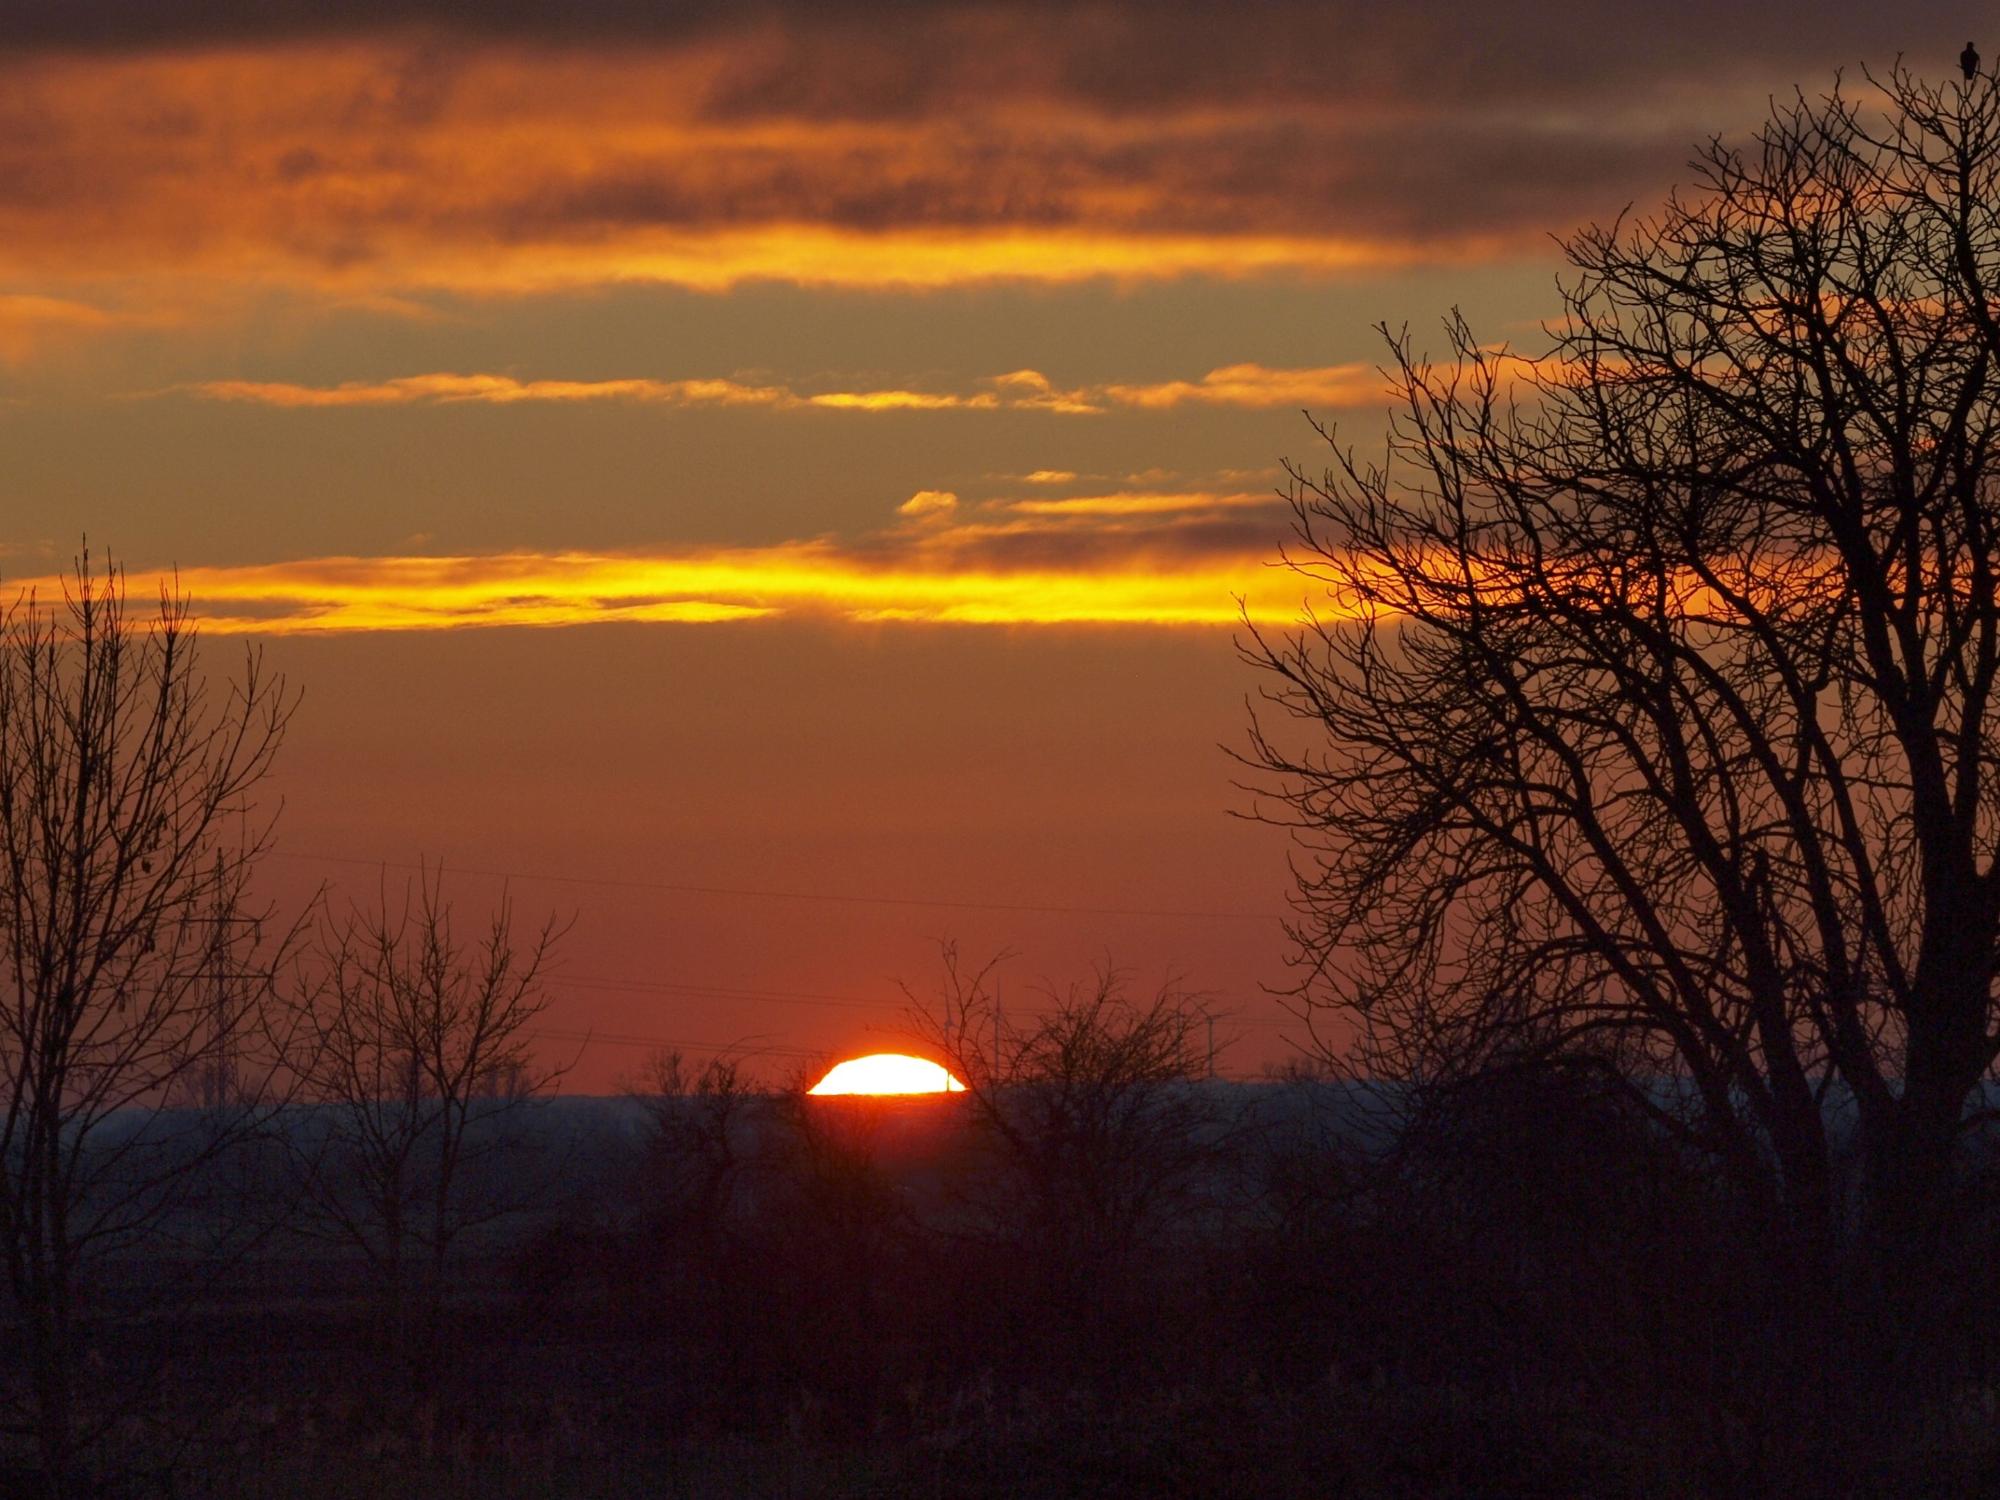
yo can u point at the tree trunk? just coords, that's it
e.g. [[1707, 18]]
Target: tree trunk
[[50, 1359]]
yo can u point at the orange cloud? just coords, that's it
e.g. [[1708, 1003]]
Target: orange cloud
[[30, 324], [499, 389], [1137, 504], [902, 401], [1247, 385], [1257, 386], [1162, 561], [369, 166]]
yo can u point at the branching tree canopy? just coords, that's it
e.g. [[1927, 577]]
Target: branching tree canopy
[[414, 1045], [1093, 1133], [128, 836], [1649, 717]]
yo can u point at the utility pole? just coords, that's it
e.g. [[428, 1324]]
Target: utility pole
[[1211, 1046], [215, 1080]]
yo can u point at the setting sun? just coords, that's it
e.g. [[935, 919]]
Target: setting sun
[[888, 1073]]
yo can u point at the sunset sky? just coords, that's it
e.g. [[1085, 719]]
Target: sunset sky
[[775, 480]]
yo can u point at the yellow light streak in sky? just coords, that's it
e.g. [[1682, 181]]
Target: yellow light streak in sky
[[810, 579]]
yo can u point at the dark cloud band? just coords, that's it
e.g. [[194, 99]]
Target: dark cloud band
[[850, 58]]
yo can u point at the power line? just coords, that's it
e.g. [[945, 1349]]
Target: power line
[[614, 984], [790, 997], [753, 893], [749, 1048]]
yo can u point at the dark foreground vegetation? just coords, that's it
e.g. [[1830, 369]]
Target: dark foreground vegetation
[[1113, 1280]]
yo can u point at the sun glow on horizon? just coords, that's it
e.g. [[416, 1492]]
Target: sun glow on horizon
[[887, 1073]]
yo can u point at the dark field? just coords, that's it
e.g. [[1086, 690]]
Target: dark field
[[794, 1297]]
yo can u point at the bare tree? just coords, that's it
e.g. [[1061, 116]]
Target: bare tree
[[413, 1044], [1647, 720], [698, 1149], [1096, 1134], [127, 842]]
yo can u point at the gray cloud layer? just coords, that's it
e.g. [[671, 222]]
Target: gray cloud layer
[[897, 56]]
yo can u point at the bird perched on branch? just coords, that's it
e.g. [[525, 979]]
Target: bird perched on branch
[[1969, 60]]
